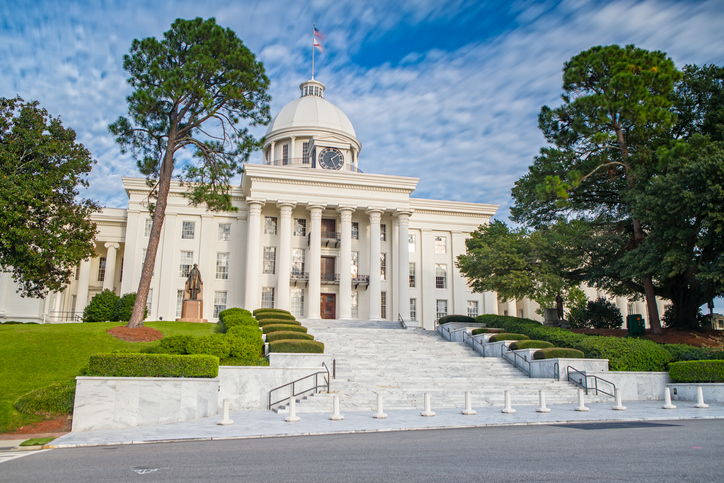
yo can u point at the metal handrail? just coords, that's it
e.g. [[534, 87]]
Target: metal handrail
[[294, 393], [585, 386], [469, 337], [442, 328], [556, 372], [401, 321], [297, 275], [514, 361]]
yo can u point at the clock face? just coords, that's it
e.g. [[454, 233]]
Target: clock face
[[330, 158]]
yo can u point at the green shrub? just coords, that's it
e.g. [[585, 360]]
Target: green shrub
[[235, 361], [274, 315], [174, 344], [285, 334], [276, 311], [101, 308], [597, 314], [508, 336], [697, 371], [214, 345], [557, 353], [264, 322], [530, 344], [487, 330], [279, 327], [234, 311], [153, 365], [235, 320], [54, 399], [245, 331], [297, 346], [244, 347], [683, 352], [124, 307], [455, 318], [623, 354]]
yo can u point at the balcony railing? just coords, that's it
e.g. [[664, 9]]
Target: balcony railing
[[328, 238], [306, 163], [297, 277]]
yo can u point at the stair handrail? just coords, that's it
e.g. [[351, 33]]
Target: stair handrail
[[317, 385], [401, 321], [583, 383], [556, 372], [474, 341], [504, 354]]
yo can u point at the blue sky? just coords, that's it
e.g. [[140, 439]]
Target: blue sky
[[448, 91]]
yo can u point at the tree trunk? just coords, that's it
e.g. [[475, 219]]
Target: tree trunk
[[653, 309], [159, 214]]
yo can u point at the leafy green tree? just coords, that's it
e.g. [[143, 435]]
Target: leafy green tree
[[597, 314], [192, 89], [46, 227]]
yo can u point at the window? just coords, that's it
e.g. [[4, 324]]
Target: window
[[149, 301], [413, 309], [631, 308], [441, 309], [355, 230], [147, 228], [285, 154], [179, 303], [298, 302], [222, 266], [186, 261], [102, 269], [187, 230], [440, 244], [412, 275], [472, 308], [383, 305], [219, 303], [411, 239], [267, 297], [305, 153], [440, 275], [355, 305], [300, 227], [383, 232], [270, 256], [383, 266], [224, 231], [270, 225], [298, 255], [355, 265]]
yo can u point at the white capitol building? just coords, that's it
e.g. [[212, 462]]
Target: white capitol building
[[313, 234]]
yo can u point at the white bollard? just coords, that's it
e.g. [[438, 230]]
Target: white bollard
[[667, 400], [581, 405], [335, 407], [700, 399], [542, 408], [380, 414], [469, 411], [619, 404], [508, 409], [428, 412], [226, 420], [292, 418]]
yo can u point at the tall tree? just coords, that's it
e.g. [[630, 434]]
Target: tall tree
[[192, 89], [46, 227]]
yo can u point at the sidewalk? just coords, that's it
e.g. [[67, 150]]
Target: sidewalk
[[263, 424]]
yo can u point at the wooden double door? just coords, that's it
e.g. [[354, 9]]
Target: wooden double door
[[328, 304]]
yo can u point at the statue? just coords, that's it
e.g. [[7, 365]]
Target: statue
[[194, 283], [192, 308], [559, 307]]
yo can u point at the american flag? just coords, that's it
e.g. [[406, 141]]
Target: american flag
[[319, 34]]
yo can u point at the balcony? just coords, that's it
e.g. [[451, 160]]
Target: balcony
[[332, 238], [329, 279], [302, 278], [297, 277], [306, 163]]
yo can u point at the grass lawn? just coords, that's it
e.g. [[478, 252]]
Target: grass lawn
[[33, 356]]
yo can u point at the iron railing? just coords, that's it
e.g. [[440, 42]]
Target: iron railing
[[304, 390], [583, 383], [442, 329], [58, 316], [556, 372], [306, 162], [299, 276], [515, 359], [401, 321]]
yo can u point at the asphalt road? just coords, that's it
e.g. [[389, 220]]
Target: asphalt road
[[635, 451]]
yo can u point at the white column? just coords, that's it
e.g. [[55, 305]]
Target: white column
[[291, 149], [427, 278], [284, 266], [253, 234], [168, 281], [393, 268], [130, 249], [109, 280], [512, 308], [83, 279], [375, 284], [207, 267], [403, 221], [345, 262], [271, 155], [315, 259]]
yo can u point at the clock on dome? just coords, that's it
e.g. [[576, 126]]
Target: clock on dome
[[330, 158]]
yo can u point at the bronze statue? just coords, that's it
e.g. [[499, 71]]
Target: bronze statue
[[194, 283], [559, 306]]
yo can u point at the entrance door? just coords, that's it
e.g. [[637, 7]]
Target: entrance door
[[328, 269], [327, 306]]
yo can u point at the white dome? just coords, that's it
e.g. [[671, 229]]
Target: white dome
[[311, 112]]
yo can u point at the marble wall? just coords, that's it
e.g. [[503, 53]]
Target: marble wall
[[123, 402], [713, 392], [545, 368], [637, 386]]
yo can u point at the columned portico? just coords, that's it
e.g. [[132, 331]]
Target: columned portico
[[253, 256], [83, 281], [315, 258], [375, 215], [285, 254], [110, 276], [345, 262], [403, 221]]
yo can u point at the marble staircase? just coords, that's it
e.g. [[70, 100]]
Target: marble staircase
[[382, 358]]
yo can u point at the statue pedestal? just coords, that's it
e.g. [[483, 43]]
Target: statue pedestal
[[192, 311]]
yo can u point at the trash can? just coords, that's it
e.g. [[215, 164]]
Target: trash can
[[635, 324]]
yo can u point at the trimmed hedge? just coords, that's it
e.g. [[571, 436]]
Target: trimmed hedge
[[264, 322], [234, 311], [276, 311], [274, 315], [683, 352], [235, 361], [213, 345], [244, 348], [245, 331], [487, 330], [101, 307], [279, 327], [174, 344], [557, 352], [153, 365], [234, 320], [623, 354], [508, 336], [530, 344], [697, 371], [454, 318], [54, 399], [297, 346], [287, 335]]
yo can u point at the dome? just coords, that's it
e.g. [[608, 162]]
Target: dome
[[311, 111]]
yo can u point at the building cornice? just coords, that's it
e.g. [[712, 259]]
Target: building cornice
[[455, 208]]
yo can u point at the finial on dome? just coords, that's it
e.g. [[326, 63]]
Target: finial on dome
[[312, 87]]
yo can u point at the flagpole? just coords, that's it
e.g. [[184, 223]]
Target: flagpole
[[313, 25]]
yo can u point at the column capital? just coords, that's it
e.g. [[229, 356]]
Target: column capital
[[316, 207], [254, 206], [403, 214], [346, 210], [286, 206], [113, 245], [374, 209], [255, 201]]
